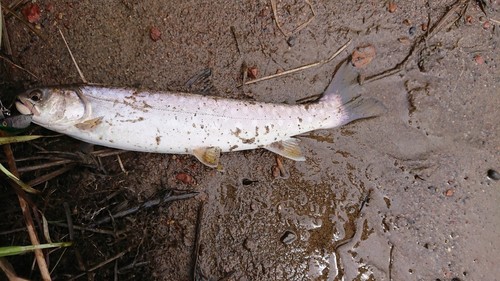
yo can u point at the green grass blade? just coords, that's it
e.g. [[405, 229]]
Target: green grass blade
[[24, 186], [19, 250], [6, 140]]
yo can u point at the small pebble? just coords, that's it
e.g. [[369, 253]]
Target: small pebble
[[468, 19], [155, 33], [494, 175], [486, 25], [479, 59], [247, 181], [404, 40], [449, 192], [362, 56], [185, 178], [288, 237], [291, 41], [424, 27], [407, 22], [392, 7], [412, 30], [249, 244], [252, 72]]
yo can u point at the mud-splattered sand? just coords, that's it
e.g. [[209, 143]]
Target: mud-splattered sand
[[404, 196]]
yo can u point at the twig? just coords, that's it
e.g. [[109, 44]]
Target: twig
[[19, 67], [418, 45], [101, 264], [390, 261], [73, 58], [8, 232], [43, 166], [89, 229], [293, 70], [298, 28], [495, 21], [40, 259], [196, 249], [131, 266], [81, 263], [51, 175], [9, 271], [148, 204], [235, 36], [121, 164]]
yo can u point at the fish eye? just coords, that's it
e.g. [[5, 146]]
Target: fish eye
[[35, 95]]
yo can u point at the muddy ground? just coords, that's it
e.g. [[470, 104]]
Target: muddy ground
[[404, 196]]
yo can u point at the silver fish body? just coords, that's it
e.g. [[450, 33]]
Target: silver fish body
[[182, 123]]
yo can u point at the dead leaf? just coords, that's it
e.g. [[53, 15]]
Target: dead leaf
[[362, 56]]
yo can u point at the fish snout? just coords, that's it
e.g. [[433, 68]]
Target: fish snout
[[26, 107]]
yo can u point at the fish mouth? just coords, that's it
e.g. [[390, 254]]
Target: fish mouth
[[26, 107]]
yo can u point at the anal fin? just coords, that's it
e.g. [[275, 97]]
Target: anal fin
[[208, 155], [287, 148]]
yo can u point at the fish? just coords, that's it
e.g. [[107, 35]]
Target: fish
[[199, 125]]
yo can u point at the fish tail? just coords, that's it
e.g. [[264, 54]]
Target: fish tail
[[344, 92]]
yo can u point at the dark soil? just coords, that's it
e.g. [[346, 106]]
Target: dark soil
[[405, 196]]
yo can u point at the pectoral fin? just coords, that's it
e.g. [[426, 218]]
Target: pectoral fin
[[208, 155], [89, 124], [287, 148]]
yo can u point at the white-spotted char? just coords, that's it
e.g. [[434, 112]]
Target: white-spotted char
[[181, 123]]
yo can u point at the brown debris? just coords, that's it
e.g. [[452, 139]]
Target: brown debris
[[155, 33], [449, 192], [486, 25], [362, 56], [252, 72], [468, 20], [185, 178], [392, 7], [405, 40], [32, 12], [479, 59]]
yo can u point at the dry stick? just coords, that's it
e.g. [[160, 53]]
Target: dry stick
[[81, 263], [390, 261], [442, 23], [148, 204], [43, 166], [73, 58], [293, 70], [235, 36], [51, 175], [300, 27], [196, 249], [19, 67], [121, 164], [89, 229], [495, 21], [40, 259], [101, 264]]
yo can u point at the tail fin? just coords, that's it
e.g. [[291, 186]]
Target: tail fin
[[345, 86], [361, 108]]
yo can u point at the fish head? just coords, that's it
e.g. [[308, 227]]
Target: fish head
[[52, 107]]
